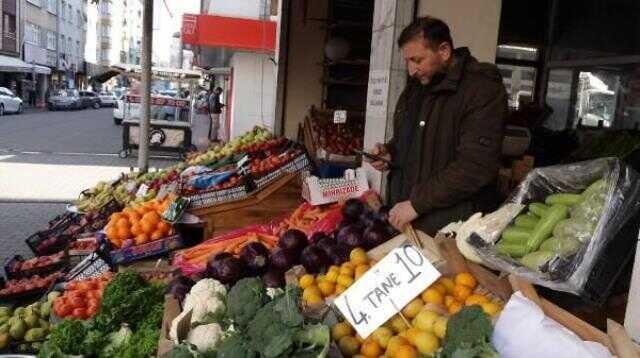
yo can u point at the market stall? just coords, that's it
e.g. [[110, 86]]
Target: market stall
[[238, 237]]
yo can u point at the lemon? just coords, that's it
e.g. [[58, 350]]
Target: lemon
[[314, 299], [361, 270], [394, 344], [382, 336], [447, 283], [344, 280], [332, 275], [340, 330], [340, 289], [327, 288], [475, 299], [358, 256], [306, 281], [398, 324], [346, 270], [412, 308], [311, 290], [432, 295], [349, 345], [490, 308], [425, 320], [440, 327], [426, 342]]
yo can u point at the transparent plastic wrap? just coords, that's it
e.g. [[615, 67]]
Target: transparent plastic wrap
[[557, 244]]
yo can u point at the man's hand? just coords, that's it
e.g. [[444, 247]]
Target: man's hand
[[401, 214], [379, 150]]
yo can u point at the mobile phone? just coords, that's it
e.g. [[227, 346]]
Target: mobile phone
[[372, 156]]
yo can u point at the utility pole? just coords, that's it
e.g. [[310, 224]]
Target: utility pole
[[147, 41]]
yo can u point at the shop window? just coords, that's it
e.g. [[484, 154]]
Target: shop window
[[513, 52], [596, 28], [596, 98], [559, 89]]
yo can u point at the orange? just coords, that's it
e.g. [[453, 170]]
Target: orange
[[141, 239], [117, 243], [406, 351], [448, 300], [164, 227], [136, 229], [147, 226], [440, 288], [141, 210], [370, 348], [152, 217], [127, 211], [432, 295], [466, 279], [454, 308], [447, 283], [475, 299], [394, 345], [115, 216], [461, 293], [112, 233], [123, 222], [124, 233], [134, 216], [157, 235]]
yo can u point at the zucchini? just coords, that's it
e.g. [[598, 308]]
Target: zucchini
[[563, 247], [538, 209], [527, 221], [514, 234], [545, 226], [537, 259], [511, 250], [564, 199]]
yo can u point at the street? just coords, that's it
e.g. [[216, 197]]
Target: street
[[46, 160]]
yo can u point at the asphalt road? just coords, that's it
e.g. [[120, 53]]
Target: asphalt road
[[46, 159]]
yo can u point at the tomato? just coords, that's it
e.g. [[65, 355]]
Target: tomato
[[80, 313], [64, 310], [76, 294], [76, 302], [84, 286], [91, 311], [93, 302], [70, 286]]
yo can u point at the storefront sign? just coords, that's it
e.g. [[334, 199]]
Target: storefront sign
[[378, 93], [161, 101], [387, 287]]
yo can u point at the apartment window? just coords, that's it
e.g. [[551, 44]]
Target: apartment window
[[51, 40], [104, 55], [105, 30], [51, 6], [63, 9], [63, 43], [78, 18], [69, 46], [35, 2], [78, 50], [9, 25], [32, 33], [70, 17]]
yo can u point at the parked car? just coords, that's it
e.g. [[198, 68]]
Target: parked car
[[9, 102], [64, 99], [107, 99], [90, 99]]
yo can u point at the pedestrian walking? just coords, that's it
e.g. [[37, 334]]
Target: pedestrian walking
[[215, 109]]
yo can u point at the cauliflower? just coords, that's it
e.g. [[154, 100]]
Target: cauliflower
[[210, 287], [203, 305], [206, 337]]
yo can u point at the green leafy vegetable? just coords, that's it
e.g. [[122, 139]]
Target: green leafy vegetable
[[235, 346], [245, 299], [66, 335], [469, 335]]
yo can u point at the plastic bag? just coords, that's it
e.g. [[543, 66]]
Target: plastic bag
[[606, 206]]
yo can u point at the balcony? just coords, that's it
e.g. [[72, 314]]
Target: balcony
[[9, 42]]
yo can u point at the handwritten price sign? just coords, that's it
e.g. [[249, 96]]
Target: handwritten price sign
[[387, 287]]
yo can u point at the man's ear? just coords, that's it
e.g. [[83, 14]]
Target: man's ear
[[445, 51]]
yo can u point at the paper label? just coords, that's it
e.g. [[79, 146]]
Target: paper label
[[386, 288], [340, 117], [142, 191]]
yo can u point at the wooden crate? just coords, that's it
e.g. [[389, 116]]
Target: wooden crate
[[274, 201]]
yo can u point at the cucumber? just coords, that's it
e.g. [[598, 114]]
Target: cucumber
[[512, 250], [545, 226], [538, 209], [564, 199], [563, 247], [514, 234], [527, 221], [537, 259], [598, 185]]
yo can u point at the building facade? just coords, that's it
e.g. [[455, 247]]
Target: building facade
[[39, 28], [72, 28], [9, 42]]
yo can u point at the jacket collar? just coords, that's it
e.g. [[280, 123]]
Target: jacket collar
[[450, 80]]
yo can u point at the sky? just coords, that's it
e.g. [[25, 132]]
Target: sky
[[168, 20]]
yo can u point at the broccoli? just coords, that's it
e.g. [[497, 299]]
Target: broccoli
[[245, 299], [469, 335]]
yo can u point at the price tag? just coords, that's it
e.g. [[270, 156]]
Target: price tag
[[339, 117], [387, 287], [142, 191], [167, 189]]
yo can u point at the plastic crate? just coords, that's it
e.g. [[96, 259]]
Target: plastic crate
[[42, 271], [139, 252]]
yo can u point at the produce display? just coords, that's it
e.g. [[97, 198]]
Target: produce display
[[126, 324], [557, 228], [449, 317], [32, 284], [339, 139], [138, 225], [258, 139], [25, 327], [86, 245], [249, 320], [81, 299], [19, 267]]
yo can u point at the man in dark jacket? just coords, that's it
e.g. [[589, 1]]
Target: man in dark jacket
[[448, 130]]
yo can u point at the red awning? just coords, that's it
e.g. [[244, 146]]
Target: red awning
[[229, 32]]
